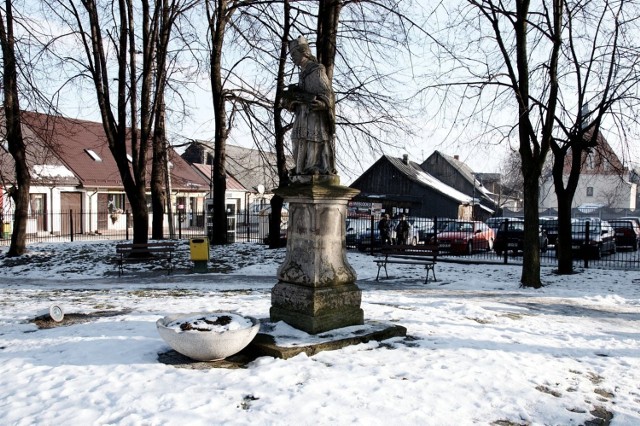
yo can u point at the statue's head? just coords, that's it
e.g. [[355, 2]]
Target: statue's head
[[299, 48]]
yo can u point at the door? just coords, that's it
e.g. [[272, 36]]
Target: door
[[38, 210], [71, 202]]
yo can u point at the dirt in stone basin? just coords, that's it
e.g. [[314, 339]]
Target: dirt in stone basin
[[45, 322], [221, 320]]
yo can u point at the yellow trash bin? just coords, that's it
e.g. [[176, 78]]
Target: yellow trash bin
[[199, 248], [6, 230]]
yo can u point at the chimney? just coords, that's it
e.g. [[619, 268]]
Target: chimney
[[405, 158], [456, 157], [584, 112]]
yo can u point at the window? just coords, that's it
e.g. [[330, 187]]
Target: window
[[115, 203], [589, 191], [93, 155]]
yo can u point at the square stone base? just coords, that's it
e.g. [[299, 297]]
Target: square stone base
[[316, 309]]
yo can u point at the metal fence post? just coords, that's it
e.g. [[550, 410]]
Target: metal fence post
[[126, 224], [435, 231], [372, 237], [585, 246], [71, 224], [506, 247]]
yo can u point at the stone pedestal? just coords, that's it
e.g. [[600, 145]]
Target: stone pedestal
[[316, 291]]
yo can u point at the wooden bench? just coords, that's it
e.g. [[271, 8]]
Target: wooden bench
[[148, 252], [409, 255]]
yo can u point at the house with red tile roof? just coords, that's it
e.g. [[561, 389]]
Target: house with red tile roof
[[606, 183], [73, 171]]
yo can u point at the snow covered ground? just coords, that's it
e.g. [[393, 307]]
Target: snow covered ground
[[480, 350]]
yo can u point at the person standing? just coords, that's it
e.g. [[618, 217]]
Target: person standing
[[313, 102], [385, 230], [402, 230]]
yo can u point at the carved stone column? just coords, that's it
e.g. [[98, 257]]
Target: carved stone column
[[316, 291]]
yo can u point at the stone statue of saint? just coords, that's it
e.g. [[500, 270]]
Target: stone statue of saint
[[313, 102]]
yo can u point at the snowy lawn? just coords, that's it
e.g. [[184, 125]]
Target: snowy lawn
[[480, 350]]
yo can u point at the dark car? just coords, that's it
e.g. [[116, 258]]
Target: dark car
[[494, 222], [550, 227], [510, 237], [627, 233], [355, 226], [601, 239]]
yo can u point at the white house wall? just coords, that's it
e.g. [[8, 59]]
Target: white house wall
[[610, 191], [54, 219]]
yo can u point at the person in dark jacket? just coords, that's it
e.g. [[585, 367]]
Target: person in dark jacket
[[402, 230], [384, 226]]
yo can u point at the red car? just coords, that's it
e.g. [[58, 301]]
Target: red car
[[464, 236]]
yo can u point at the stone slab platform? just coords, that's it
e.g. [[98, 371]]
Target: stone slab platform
[[273, 341], [282, 341]]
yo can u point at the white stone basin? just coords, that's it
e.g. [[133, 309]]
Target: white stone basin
[[212, 344]]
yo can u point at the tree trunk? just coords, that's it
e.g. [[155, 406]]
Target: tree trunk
[[530, 156], [15, 140], [158, 192], [565, 192], [563, 242], [281, 159], [531, 255], [218, 19], [327, 32], [139, 214]]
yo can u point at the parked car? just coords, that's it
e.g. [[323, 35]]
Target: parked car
[[627, 233], [494, 222], [510, 237], [601, 238], [354, 228], [427, 233], [464, 236], [550, 226], [636, 219], [363, 240]]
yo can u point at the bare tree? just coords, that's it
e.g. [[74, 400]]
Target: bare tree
[[134, 122], [601, 65], [537, 63], [163, 22], [511, 184], [219, 13], [369, 112], [13, 130]]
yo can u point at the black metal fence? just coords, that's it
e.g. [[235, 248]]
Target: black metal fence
[[73, 226], [361, 234]]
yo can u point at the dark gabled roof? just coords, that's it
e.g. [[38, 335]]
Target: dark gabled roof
[[205, 171], [252, 167], [249, 166], [44, 165], [461, 166], [81, 146], [413, 172], [465, 171]]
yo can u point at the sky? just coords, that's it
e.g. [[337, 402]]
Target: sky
[[479, 349]]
